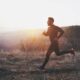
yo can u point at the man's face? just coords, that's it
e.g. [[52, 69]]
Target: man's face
[[50, 22]]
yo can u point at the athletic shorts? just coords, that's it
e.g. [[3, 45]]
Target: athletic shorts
[[54, 47]]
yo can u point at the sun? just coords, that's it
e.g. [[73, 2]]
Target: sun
[[31, 32]]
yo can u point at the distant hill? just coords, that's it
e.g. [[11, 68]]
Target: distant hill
[[73, 35]]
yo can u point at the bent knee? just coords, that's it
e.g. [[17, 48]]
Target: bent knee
[[58, 54]]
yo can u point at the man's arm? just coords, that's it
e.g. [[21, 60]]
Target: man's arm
[[45, 33], [61, 32]]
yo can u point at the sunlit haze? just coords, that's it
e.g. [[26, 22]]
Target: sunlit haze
[[24, 14]]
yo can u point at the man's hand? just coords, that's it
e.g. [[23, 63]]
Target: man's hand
[[45, 33]]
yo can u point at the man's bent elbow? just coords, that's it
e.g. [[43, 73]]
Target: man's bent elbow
[[62, 32]]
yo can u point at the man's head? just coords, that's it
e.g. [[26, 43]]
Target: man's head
[[50, 21]]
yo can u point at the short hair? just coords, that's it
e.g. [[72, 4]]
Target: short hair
[[51, 18]]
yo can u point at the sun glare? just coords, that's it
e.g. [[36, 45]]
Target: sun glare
[[31, 33]]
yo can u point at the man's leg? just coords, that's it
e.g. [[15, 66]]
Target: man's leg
[[66, 52], [46, 59], [58, 53]]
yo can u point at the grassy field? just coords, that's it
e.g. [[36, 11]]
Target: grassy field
[[19, 65]]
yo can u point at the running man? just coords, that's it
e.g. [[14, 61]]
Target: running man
[[54, 32]]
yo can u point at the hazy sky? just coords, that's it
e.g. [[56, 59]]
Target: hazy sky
[[20, 14]]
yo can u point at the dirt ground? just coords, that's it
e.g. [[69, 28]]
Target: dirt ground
[[23, 66]]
